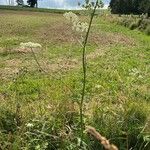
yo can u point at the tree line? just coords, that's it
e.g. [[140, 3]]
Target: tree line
[[130, 6], [31, 3]]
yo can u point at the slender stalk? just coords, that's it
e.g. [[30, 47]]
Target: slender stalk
[[84, 72], [34, 56], [36, 60]]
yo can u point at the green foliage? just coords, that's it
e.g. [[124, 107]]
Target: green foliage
[[133, 25], [121, 123], [32, 3], [40, 134], [20, 2], [147, 30], [130, 6], [7, 121], [133, 22], [90, 4], [144, 6]]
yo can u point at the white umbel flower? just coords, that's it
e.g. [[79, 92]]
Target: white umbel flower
[[30, 45], [80, 26], [77, 25], [72, 17]]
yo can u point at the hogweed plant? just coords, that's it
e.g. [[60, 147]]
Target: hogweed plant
[[81, 27], [32, 46]]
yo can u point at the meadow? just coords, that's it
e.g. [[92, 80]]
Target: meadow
[[39, 107]]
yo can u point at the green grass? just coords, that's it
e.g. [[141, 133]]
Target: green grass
[[117, 92], [57, 11], [16, 8]]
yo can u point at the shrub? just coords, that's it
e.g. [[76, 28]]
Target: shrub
[[133, 26], [126, 22], [134, 22], [144, 24]]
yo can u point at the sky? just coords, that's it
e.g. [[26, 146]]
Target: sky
[[62, 4]]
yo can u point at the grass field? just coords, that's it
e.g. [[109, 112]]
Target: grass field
[[16, 8], [39, 110]]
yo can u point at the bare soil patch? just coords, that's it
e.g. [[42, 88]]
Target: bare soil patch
[[56, 32], [62, 33], [107, 39], [62, 64], [66, 64]]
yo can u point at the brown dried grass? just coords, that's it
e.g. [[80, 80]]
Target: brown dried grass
[[92, 131]]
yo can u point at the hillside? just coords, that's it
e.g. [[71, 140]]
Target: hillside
[[39, 105]]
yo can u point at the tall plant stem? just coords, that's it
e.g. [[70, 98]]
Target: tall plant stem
[[84, 72], [34, 56]]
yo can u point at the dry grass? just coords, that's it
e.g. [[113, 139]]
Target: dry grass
[[92, 131]]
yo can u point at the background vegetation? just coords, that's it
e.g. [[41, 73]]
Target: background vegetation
[[133, 22], [130, 6]]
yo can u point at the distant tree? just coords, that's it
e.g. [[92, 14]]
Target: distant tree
[[130, 6], [20, 2], [135, 6], [115, 6], [144, 6], [32, 3]]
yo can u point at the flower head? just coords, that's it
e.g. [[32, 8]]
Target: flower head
[[80, 26], [77, 25], [30, 45], [72, 17]]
